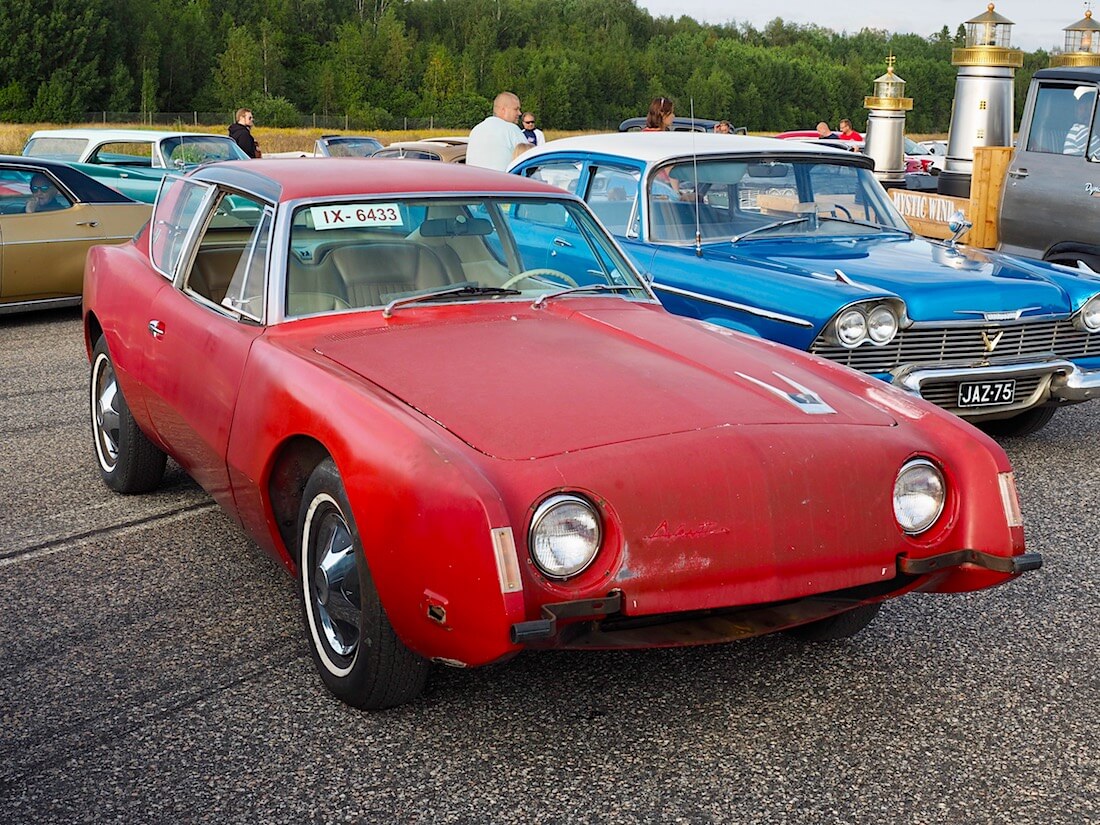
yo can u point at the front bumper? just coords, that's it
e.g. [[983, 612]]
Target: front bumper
[[600, 623], [1040, 381]]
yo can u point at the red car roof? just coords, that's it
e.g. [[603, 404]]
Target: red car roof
[[312, 177]]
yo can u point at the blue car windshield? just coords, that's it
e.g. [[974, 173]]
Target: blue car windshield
[[756, 198]]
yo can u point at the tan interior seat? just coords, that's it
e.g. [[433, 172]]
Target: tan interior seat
[[372, 272], [213, 270]]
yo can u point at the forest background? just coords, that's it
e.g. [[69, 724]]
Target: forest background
[[390, 64]]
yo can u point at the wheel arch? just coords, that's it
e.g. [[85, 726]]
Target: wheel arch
[[1068, 252], [293, 463]]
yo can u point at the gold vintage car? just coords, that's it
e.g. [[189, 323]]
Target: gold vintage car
[[446, 149], [50, 215]]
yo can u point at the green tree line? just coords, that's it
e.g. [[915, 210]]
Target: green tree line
[[580, 64]]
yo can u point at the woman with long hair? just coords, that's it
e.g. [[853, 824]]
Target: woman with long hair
[[660, 115]]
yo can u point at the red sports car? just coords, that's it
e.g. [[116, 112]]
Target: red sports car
[[443, 398]]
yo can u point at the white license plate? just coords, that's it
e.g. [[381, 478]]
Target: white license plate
[[986, 393]]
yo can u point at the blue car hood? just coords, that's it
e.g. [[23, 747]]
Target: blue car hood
[[936, 281]]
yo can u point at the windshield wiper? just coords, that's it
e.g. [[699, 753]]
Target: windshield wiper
[[857, 222], [767, 226], [546, 296], [464, 290]]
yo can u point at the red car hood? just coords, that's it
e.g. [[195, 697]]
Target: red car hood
[[518, 383]]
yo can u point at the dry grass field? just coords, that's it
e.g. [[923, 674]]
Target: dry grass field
[[14, 135]]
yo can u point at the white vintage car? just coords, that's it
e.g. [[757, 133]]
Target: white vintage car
[[140, 148]]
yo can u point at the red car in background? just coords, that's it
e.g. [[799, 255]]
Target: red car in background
[[918, 158], [464, 442]]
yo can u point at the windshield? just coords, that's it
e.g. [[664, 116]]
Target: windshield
[[370, 252], [190, 150], [758, 197], [352, 147]]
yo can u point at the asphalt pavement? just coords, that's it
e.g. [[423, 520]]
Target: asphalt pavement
[[153, 669]]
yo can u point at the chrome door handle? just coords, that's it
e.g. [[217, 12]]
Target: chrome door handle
[[562, 242], [156, 329], [87, 223], [1017, 173]]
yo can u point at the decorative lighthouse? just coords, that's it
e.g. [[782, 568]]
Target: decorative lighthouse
[[886, 126], [983, 110], [1082, 46]]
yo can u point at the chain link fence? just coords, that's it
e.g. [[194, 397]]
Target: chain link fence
[[190, 120]]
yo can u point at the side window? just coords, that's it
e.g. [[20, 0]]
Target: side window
[[1062, 119], [230, 259], [25, 191], [123, 154], [613, 195], [562, 174], [177, 206]]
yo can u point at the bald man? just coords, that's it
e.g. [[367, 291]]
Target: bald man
[[497, 140]]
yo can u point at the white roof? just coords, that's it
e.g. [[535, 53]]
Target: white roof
[[150, 135], [654, 147]]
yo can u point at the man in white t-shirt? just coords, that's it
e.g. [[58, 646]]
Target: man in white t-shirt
[[497, 140]]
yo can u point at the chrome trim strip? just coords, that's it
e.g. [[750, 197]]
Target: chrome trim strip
[[763, 313], [39, 303]]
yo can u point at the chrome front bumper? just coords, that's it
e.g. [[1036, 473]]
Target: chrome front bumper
[[1059, 381]]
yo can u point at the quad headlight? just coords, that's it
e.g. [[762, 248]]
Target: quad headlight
[[882, 325], [565, 535], [919, 495], [877, 323], [1089, 316]]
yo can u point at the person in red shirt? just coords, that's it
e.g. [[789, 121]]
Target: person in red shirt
[[847, 132]]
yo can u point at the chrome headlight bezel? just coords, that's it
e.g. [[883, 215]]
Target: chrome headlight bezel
[[877, 322], [857, 332], [561, 519], [918, 477], [1088, 316]]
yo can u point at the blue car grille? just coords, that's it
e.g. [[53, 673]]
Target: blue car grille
[[932, 345]]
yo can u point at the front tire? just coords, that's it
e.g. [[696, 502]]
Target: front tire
[[128, 461], [840, 626], [1023, 424], [358, 655]]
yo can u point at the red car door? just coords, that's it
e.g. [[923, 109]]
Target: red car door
[[202, 330], [193, 379]]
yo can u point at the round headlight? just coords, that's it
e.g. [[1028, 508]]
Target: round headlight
[[919, 494], [851, 328], [882, 325], [1090, 314], [565, 535]]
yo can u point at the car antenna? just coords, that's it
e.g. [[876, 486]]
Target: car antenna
[[695, 175]]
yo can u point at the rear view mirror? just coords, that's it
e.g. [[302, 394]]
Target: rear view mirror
[[451, 227], [769, 170]]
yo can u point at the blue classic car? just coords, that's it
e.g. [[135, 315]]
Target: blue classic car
[[801, 245]]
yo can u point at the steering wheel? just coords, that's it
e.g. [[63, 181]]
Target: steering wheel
[[538, 272], [843, 209]]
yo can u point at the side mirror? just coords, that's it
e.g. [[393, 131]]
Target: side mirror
[[959, 226]]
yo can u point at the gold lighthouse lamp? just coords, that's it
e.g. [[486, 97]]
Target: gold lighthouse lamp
[[1082, 46], [984, 97], [885, 142]]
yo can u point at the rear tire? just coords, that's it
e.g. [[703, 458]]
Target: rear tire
[[1025, 423], [840, 626], [358, 655], [128, 461]]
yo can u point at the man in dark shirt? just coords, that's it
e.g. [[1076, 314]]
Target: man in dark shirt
[[241, 131]]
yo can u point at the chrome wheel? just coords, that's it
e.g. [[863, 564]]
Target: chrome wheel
[[331, 583], [357, 654], [105, 412]]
